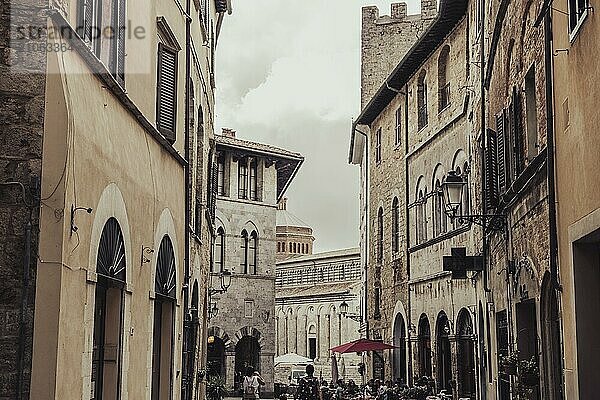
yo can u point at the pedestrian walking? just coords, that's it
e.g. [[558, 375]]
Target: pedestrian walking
[[308, 386], [251, 384]]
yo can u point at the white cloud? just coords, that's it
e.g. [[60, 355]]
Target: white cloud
[[288, 74]]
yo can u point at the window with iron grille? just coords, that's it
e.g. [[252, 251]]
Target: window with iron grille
[[166, 102]]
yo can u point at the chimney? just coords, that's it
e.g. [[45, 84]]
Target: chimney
[[282, 205], [228, 133]]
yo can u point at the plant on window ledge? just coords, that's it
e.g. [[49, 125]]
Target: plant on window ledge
[[527, 372]]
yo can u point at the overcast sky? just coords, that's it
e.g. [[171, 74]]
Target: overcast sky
[[288, 74]]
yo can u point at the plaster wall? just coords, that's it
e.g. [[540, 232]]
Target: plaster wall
[[577, 161]]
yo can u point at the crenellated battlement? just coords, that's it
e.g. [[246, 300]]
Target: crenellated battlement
[[386, 38]]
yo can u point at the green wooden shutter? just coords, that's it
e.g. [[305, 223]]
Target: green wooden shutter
[[167, 92]]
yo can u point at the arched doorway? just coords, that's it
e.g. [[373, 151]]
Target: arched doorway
[[482, 352], [552, 349], [444, 353], [400, 350], [190, 335], [164, 321], [215, 360], [424, 346], [108, 313], [247, 354], [465, 355]]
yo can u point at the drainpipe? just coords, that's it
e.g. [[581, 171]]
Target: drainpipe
[[554, 273], [550, 151], [482, 149], [187, 171], [24, 298], [366, 208], [409, 379]]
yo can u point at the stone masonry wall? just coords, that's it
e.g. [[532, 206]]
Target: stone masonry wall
[[386, 39], [22, 95]]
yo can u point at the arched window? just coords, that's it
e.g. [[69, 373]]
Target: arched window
[[380, 235], [440, 223], [249, 247], [395, 225], [219, 250], [443, 84], [422, 100], [421, 212], [279, 247], [108, 309], [164, 317], [244, 248], [252, 252], [424, 346]]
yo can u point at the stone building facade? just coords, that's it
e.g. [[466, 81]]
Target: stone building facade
[[386, 38], [294, 236], [487, 122], [309, 290], [252, 178], [576, 122], [522, 256], [102, 280]]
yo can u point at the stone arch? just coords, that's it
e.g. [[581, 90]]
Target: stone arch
[[220, 333], [166, 227], [443, 351], [399, 328], [459, 159], [250, 226], [526, 280], [248, 331], [111, 205], [221, 218], [465, 354]]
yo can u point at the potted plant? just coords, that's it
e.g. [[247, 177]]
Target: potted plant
[[529, 372], [509, 363], [215, 388]]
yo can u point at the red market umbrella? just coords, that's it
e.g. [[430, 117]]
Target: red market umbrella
[[362, 345]]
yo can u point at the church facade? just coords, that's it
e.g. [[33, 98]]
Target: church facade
[[309, 290]]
